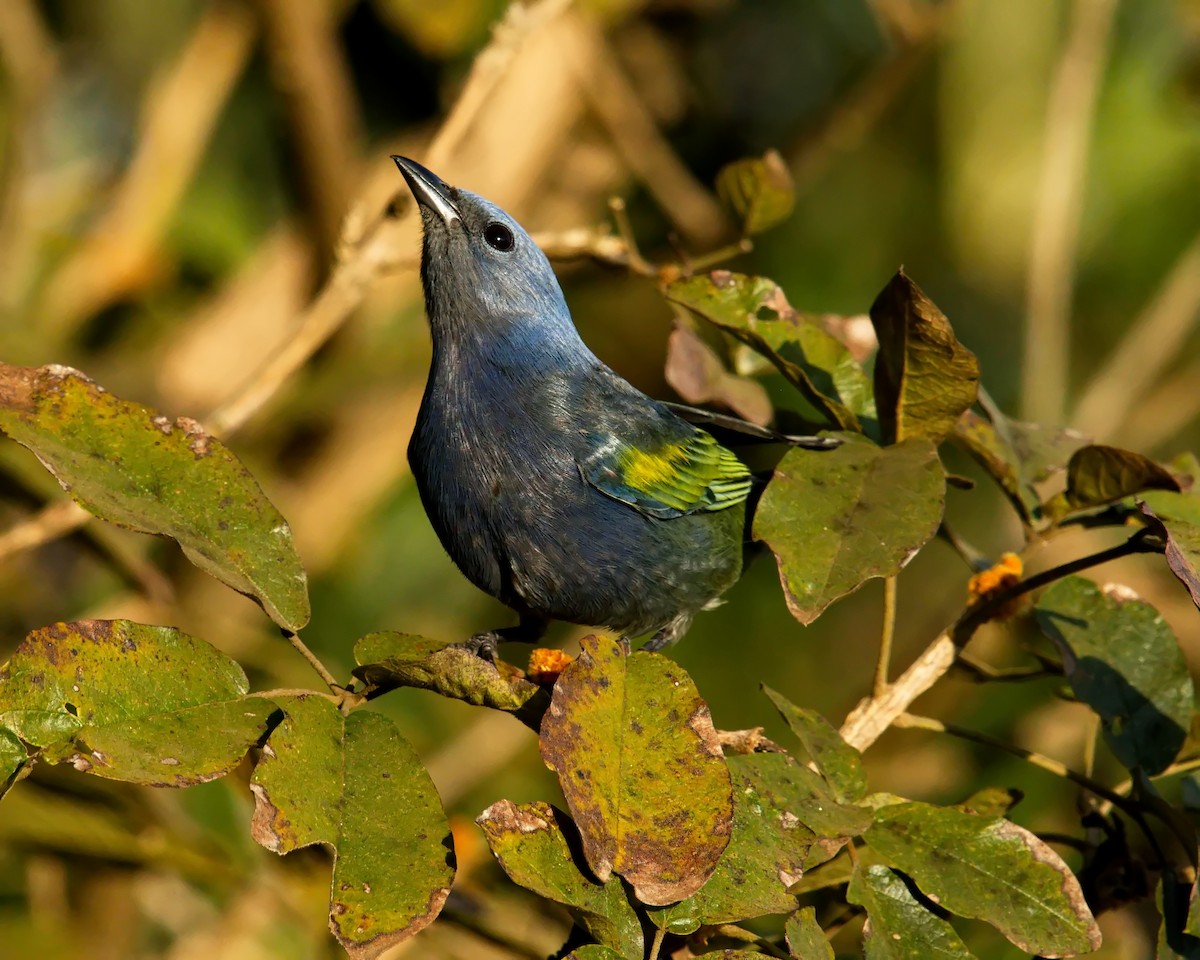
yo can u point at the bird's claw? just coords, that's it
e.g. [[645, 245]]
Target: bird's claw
[[483, 645]]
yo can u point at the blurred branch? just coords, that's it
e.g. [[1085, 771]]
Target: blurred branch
[[887, 636], [1164, 413], [51, 522], [1150, 344], [1053, 249], [874, 714], [179, 114], [683, 199], [30, 59], [311, 72], [856, 114], [371, 242]]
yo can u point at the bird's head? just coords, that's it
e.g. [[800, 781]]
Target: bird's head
[[483, 275]]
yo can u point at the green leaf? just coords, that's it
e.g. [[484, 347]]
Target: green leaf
[[839, 763], [805, 938], [1018, 456], [836, 518], [529, 840], [355, 785], [1124, 662], [132, 702], [756, 312], [127, 464], [12, 758], [594, 951], [924, 378], [759, 190], [641, 769], [1179, 515], [990, 869], [388, 660], [1097, 475], [898, 927], [767, 851]]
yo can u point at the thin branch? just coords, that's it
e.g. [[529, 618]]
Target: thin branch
[[313, 660], [1049, 764], [873, 715], [54, 520], [659, 935], [615, 100], [1054, 248], [975, 559], [986, 673], [1168, 410], [887, 636], [734, 932]]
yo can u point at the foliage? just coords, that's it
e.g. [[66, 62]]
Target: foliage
[[674, 837]]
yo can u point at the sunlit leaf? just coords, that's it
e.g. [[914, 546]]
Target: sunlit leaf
[[759, 190], [836, 518], [595, 951], [924, 378], [127, 701], [990, 869], [529, 841], [898, 927], [641, 769], [839, 763], [805, 938], [134, 467], [355, 785], [1124, 662], [388, 660], [1097, 475], [755, 311], [12, 758], [769, 846], [1179, 515]]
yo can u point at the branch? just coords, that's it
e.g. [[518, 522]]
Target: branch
[[873, 715], [1054, 247]]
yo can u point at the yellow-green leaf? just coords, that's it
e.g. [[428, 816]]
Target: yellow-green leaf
[[759, 190], [836, 518], [898, 927], [355, 785], [641, 769], [134, 467]]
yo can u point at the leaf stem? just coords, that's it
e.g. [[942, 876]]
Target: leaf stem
[[659, 935], [313, 660], [887, 637]]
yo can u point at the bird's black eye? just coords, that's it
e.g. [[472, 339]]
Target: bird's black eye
[[498, 236]]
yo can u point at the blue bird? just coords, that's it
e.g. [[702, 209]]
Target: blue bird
[[554, 484]]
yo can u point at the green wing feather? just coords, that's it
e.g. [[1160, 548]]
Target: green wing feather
[[689, 475]]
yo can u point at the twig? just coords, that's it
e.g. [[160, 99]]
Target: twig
[[659, 935], [313, 660], [985, 672], [1151, 343], [886, 637], [312, 75], [1053, 250], [875, 714], [615, 100], [913, 722], [55, 520], [972, 557]]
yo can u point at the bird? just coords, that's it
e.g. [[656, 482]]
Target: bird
[[555, 485]]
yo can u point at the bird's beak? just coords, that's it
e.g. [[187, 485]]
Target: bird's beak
[[428, 189]]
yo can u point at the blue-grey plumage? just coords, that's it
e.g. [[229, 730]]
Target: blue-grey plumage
[[553, 484]]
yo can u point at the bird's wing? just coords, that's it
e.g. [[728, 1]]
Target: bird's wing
[[744, 428], [685, 475]]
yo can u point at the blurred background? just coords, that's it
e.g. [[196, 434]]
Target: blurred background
[[196, 198]]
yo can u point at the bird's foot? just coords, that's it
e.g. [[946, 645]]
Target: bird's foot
[[483, 645]]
